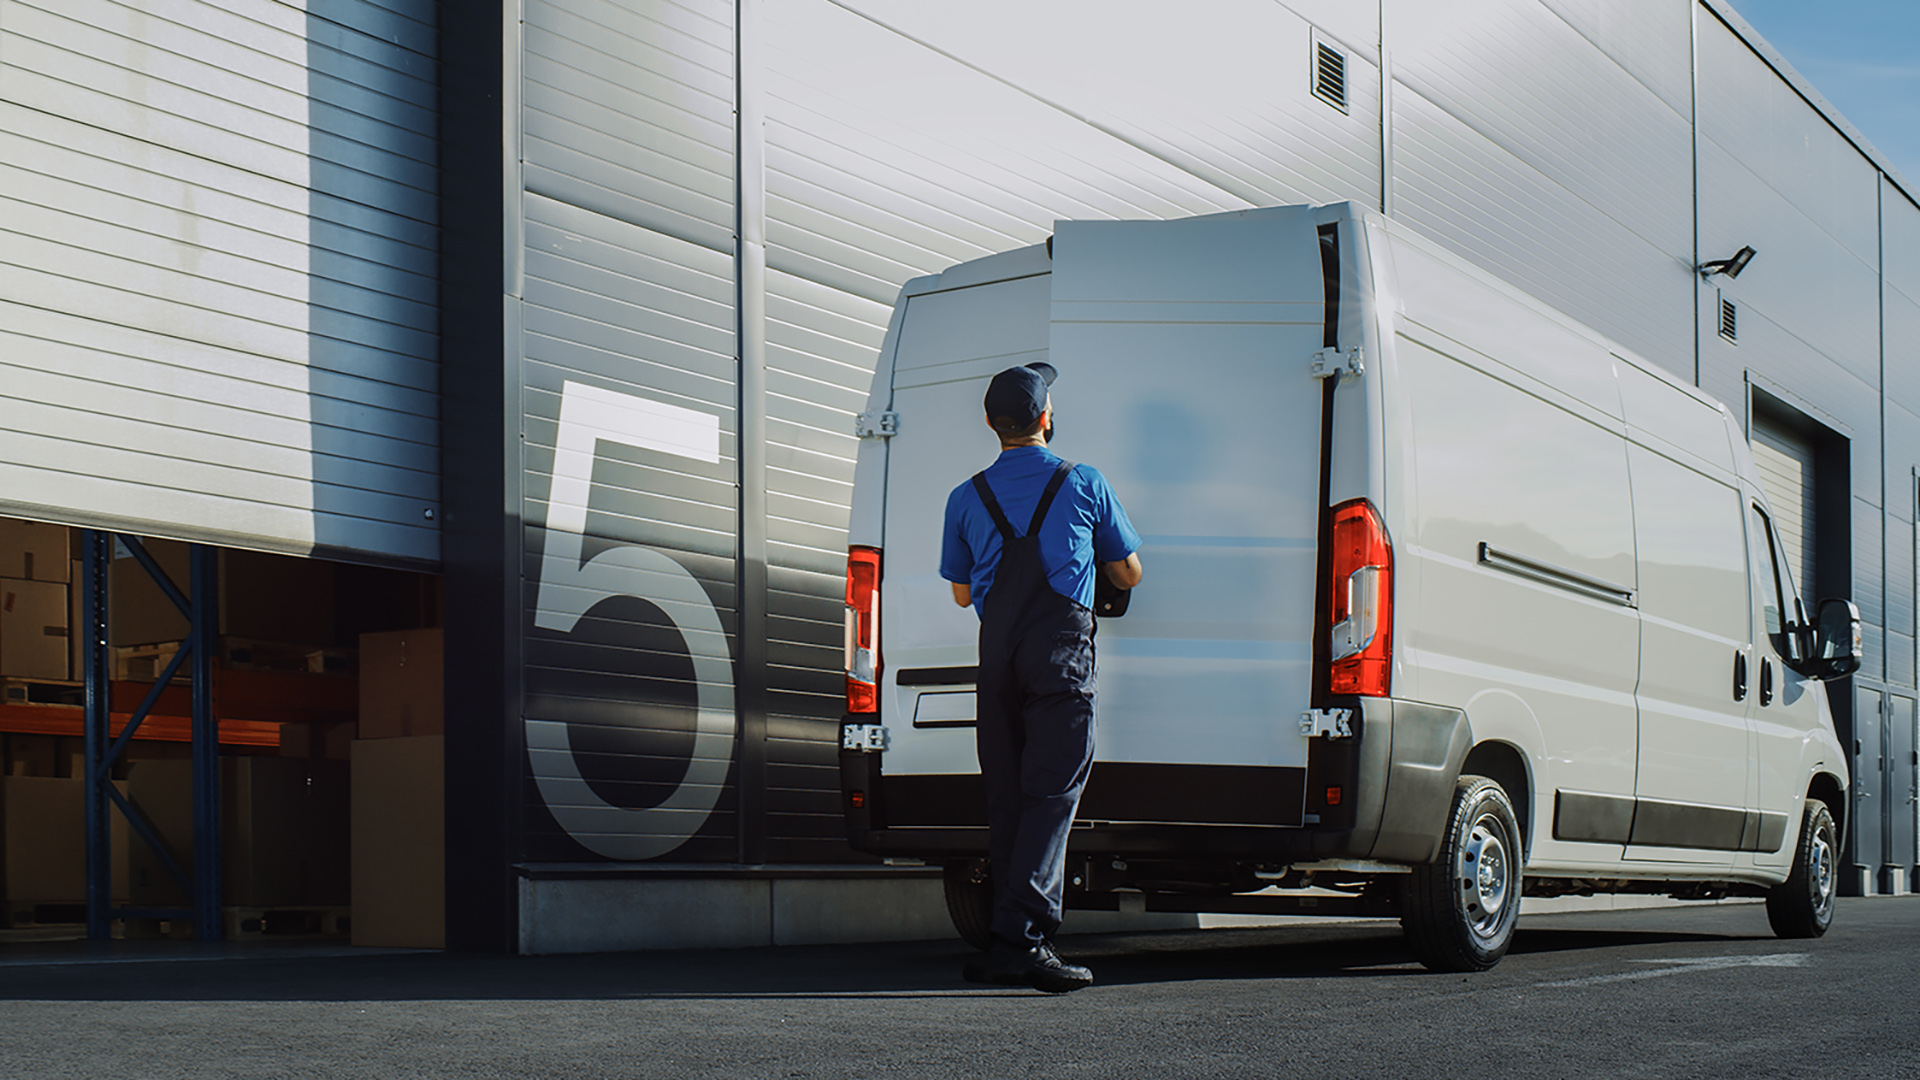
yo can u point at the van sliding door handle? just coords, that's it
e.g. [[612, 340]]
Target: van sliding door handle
[[1766, 681], [1739, 675]]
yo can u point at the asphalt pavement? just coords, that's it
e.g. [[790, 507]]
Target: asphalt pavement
[[1664, 992]]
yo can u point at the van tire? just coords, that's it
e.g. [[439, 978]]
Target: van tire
[[970, 900], [1459, 911], [1802, 905]]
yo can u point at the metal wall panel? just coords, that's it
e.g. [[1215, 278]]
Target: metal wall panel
[[1233, 108], [1900, 250], [1805, 280], [616, 697], [821, 345], [217, 282], [887, 159], [1651, 40], [1900, 586], [1533, 152], [1754, 115], [629, 112], [1483, 202]]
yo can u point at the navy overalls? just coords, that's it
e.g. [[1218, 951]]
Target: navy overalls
[[1035, 724]]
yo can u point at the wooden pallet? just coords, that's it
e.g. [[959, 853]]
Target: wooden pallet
[[251, 923]]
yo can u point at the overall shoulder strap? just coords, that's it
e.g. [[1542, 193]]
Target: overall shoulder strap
[[1046, 497], [993, 505]]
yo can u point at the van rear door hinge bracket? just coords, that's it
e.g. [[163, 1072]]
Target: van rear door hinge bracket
[[877, 425], [863, 737], [1331, 363], [1333, 723]]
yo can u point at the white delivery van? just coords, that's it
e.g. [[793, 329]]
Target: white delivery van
[[1448, 599]]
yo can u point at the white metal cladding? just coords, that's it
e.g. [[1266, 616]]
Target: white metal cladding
[[1530, 150], [1775, 175], [887, 159], [629, 112], [1233, 108], [218, 308], [821, 344]]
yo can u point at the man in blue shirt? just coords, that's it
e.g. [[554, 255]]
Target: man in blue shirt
[[1033, 588]]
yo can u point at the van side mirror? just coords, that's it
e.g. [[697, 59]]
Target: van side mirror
[[1837, 641]]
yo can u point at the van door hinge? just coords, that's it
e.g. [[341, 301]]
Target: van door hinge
[[1328, 363], [866, 738], [1333, 723], [877, 425]]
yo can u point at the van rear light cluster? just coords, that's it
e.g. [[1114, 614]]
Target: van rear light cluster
[[1361, 622], [863, 630]]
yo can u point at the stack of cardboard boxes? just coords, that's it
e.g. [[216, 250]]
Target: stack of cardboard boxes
[[36, 603], [399, 816]]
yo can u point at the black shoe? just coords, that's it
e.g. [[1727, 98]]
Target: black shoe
[[1045, 971], [1003, 964]]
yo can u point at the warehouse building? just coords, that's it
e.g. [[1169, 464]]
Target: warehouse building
[[486, 387]]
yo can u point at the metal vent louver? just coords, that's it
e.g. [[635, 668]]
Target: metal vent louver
[[1330, 75], [1729, 320]]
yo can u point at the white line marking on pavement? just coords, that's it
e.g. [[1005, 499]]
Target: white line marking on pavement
[[1683, 965]]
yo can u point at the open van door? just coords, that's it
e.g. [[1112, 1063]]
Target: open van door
[[1185, 351]]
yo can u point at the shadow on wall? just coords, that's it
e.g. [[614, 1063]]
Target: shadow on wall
[[373, 360]]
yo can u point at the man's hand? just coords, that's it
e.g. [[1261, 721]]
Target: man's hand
[[1124, 574], [962, 594]]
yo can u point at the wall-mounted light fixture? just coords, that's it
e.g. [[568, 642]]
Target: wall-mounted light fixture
[[1730, 266]]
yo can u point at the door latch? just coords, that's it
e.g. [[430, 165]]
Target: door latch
[[1333, 723], [866, 738], [1333, 363], [877, 425]]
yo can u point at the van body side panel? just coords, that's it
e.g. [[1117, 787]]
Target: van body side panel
[[1509, 480], [1694, 592]]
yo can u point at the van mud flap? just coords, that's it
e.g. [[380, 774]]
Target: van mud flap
[[1418, 751]]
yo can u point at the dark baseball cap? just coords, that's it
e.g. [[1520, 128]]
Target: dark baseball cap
[[1017, 396]]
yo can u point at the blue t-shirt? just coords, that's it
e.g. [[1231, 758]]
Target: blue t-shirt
[[1085, 526]]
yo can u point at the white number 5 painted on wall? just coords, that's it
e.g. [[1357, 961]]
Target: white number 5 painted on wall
[[589, 416]]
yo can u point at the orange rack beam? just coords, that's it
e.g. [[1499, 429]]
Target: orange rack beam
[[249, 705]]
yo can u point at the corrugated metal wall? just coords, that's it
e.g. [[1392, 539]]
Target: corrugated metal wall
[[1557, 142], [218, 296], [628, 290]]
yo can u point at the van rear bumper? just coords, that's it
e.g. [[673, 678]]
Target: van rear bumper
[[1383, 794]]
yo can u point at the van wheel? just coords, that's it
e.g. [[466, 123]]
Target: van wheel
[[1460, 909], [970, 900], [1802, 905]]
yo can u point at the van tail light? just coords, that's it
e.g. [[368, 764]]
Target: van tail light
[[863, 630], [1361, 622]]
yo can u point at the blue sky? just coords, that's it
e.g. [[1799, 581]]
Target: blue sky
[[1863, 56]]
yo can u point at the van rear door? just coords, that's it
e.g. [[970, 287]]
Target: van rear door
[[951, 343], [1185, 354]]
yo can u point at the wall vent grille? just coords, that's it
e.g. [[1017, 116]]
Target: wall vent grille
[[1329, 74], [1729, 320]]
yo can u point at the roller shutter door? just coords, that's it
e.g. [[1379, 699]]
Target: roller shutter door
[[1785, 460], [219, 305]]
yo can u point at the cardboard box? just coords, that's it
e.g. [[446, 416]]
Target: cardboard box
[[43, 831], [33, 630], [399, 842], [401, 688], [262, 597], [34, 551], [283, 823]]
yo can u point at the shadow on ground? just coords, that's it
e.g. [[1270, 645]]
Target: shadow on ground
[[121, 971]]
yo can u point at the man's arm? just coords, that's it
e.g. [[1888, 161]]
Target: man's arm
[[1124, 574], [962, 594]]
